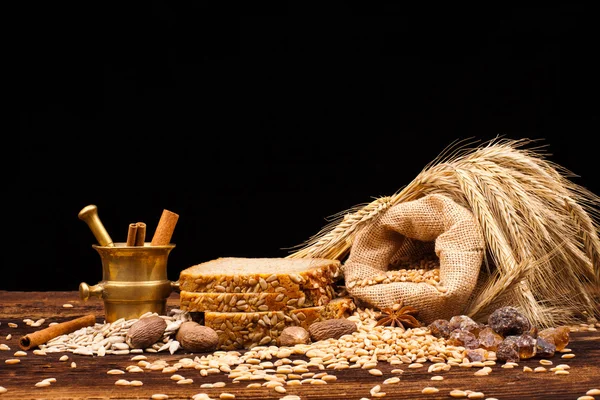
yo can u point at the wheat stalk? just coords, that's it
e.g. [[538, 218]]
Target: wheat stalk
[[527, 208]]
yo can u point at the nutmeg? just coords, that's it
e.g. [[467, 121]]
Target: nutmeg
[[145, 332], [197, 338], [293, 335], [331, 329]]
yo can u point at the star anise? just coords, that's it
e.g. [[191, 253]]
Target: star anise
[[398, 315]]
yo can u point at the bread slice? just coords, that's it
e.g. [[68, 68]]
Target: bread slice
[[245, 330], [252, 302], [259, 275]]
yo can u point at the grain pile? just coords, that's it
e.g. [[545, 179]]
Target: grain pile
[[381, 351]]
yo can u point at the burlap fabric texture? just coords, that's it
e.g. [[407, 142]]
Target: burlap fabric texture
[[433, 223]]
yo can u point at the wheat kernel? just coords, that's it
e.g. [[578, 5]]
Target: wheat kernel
[[568, 355], [527, 369], [565, 350], [585, 398], [437, 378], [593, 392], [42, 384], [115, 372], [12, 361], [430, 390], [73, 364], [545, 362], [375, 389], [63, 358], [51, 380], [3, 389], [375, 372], [122, 382], [67, 305], [540, 369], [458, 393], [476, 395], [159, 396], [561, 372], [226, 396]]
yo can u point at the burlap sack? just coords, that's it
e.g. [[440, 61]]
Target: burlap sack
[[433, 223]]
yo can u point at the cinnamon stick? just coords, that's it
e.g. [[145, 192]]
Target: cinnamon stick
[[42, 336], [165, 228], [131, 234], [140, 235]]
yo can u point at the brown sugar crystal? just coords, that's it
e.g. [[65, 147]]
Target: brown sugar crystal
[[559, 336], [465, 323], [508, 350], [488, 339], [544, 348], [440, 328], [508, 321], [463, 338]]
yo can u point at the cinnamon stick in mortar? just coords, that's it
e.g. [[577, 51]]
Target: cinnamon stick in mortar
[[132, 234], [165, 228], [140, 235], [42, 336]]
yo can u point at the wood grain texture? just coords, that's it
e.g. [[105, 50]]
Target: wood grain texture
[[90, 380]]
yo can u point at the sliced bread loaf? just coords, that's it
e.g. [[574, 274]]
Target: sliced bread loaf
[[251, 302], [259, 275], [245, 330]]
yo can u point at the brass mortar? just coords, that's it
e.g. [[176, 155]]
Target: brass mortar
[[134, 280]]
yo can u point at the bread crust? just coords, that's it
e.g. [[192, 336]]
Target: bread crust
[[291, 277]]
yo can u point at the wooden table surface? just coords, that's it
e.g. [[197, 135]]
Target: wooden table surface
[[89, 379]]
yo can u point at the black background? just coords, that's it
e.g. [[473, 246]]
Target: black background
[[256, 126]]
